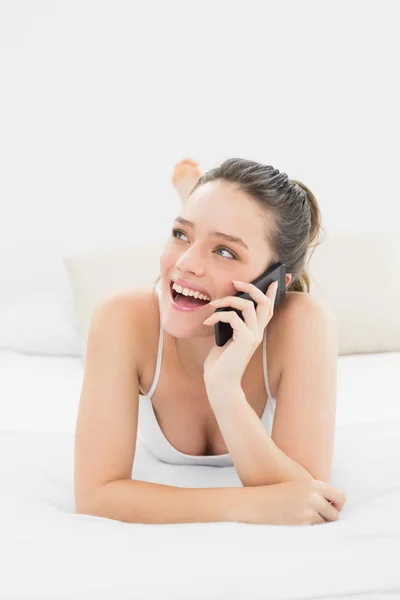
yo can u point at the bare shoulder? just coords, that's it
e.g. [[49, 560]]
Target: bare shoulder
[[124, 304], [136, 298], [299, 320], [299, 305], [127, 314], [133, 303]]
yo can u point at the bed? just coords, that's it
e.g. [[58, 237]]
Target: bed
[[48, 551]]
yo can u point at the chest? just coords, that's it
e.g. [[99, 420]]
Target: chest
[[181, 405]]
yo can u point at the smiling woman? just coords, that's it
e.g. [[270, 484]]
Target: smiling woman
[[215, 405], [238, 220]]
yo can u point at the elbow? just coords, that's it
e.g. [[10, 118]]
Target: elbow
[[82, 507], [85, 505]]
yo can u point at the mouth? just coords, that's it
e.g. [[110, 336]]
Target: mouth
[[185, 303]]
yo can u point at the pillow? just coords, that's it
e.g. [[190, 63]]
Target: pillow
[[36, 302], [97, 274], [39, 323], [357, 274]]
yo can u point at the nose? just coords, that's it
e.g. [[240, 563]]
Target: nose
[[191, 261]]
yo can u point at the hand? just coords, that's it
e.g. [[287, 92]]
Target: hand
[[299, 502], [227, 364]]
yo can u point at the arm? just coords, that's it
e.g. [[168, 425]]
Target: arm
[[301, 444], [133, 501], [257, 459], [105, 436], [304, 424]]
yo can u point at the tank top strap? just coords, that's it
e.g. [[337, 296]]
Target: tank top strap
[[160, 348], [265, 366]]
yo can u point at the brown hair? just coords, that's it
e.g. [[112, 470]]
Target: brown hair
[[292, 213]]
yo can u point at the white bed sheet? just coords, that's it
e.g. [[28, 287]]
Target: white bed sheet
[[47, 551]]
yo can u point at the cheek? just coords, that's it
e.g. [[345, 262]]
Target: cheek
[[168, 260]]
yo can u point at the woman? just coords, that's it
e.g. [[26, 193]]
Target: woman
[[223, 405]]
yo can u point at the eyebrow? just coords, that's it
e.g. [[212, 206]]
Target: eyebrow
[[225, 236]]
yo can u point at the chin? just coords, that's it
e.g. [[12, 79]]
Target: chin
[[178, 330], [181, 330]]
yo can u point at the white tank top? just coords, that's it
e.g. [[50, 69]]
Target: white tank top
[[151, 435]]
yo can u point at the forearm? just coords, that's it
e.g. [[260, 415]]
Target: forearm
[[257, 459], [133, 501]]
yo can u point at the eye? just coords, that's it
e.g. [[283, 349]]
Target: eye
[[174, 231], [234, 257], [227, 250]]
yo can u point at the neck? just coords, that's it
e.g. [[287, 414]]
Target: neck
[[191, 354]]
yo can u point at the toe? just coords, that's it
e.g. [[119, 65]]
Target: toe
[[188, 161], [185, 170]]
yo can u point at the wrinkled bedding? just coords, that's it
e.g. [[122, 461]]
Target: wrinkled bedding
[[47, 551]]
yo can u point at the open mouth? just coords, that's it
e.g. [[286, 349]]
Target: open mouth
[[186, 301]]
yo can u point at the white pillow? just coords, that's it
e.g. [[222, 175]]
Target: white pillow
[[39, 323], [97, 274], [36, 301], [358, 275]]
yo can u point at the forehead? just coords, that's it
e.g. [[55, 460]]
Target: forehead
[[221, 206]]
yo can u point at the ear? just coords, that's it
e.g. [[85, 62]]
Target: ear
[[288, 279]]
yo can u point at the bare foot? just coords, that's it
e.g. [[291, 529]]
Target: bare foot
[[185, 176]]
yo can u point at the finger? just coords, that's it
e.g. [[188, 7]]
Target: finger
[[328, 511], [250, 316], [258, 296], [231, 317], [235, 301], [255, 292], [318, 519], [263, 305], [332, 494]]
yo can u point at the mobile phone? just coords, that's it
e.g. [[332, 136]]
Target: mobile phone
[[277, 272]]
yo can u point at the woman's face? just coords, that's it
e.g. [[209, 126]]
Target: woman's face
[[204, 259]]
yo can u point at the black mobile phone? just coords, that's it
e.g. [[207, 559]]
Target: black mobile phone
[[277, 272]]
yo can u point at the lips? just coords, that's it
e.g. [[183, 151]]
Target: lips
[[180, 307], [191, 286], [174, 293]]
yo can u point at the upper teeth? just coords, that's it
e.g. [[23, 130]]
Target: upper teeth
[[188, 292]]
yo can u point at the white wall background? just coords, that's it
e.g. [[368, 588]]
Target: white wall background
[[100, 99]]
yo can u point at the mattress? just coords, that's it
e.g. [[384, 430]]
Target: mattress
[[48, 551]]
